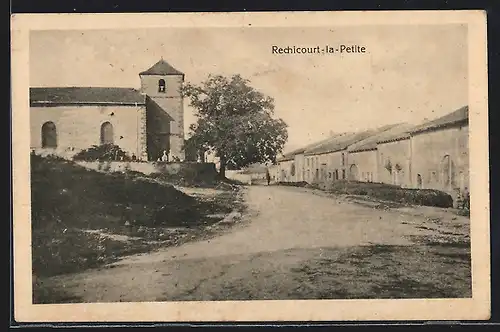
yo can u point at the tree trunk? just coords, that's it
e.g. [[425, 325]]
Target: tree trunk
[[222, 170]]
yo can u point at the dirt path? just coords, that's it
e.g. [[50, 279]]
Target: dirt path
[[266, 256]]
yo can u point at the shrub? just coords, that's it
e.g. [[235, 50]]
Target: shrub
[[394, 193], [105, 152]]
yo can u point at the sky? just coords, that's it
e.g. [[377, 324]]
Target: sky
[[407, 74]]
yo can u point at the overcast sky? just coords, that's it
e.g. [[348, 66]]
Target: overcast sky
[[408, 73]]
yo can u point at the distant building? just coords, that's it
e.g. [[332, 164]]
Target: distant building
[[142, 122], [330, 161]]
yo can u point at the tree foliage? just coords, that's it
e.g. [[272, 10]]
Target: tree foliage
[[235, 121]]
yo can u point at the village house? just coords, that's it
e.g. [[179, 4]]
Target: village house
[[144, 122], [286, 169], [440, 153], [329, 161], [432, 155], [363, 162], [394, 157], [298, 157]]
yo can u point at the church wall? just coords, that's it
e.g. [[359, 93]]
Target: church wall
[[173, 83], [79, 127]]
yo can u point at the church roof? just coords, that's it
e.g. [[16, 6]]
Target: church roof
[[459, 116], [85, 96], [161, 68]]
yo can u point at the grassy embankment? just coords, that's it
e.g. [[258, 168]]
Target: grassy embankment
[[84, 219]]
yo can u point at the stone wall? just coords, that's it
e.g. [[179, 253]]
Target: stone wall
[[151, 167]]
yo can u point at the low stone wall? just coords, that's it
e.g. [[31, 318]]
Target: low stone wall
[[243, 177], [239, 176], [147, 168]]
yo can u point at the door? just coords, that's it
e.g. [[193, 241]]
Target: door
[[353, 172]]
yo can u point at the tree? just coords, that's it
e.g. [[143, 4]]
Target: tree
[[235, 121]]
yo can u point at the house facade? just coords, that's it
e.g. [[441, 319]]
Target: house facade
[[440, 153], [394, 161]]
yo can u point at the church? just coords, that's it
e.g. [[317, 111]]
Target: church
[[144, 122]]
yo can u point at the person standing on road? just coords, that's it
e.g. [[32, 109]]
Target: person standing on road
[[268, 177]]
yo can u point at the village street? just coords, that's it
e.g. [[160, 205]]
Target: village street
[[295, 243]]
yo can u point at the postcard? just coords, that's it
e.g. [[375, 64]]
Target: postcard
[[287, 166]]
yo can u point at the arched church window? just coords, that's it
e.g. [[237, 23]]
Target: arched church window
[[107, 133], [49, 135], [161, 85]]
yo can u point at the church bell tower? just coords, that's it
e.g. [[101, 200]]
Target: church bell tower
[[164, 110]]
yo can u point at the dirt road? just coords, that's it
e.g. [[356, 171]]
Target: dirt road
[[296, 244]]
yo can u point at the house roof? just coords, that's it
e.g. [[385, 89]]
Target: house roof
[[290, 155], [161, 68], [340, 142], [459, 116], [85, 96], [382, 134]]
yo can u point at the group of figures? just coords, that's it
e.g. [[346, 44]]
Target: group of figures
[[167, 157]]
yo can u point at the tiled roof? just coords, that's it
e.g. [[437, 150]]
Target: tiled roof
[[341, 142], [85, 96], [161, 68], [458, 116], [391, 132], [290, 155], [370, 143]]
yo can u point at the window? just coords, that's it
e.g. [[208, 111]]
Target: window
[[419, 181], [107, 133], [49, 135], [336, 174], [329, 175], [343, 159], [343, 174], [161, 85]]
